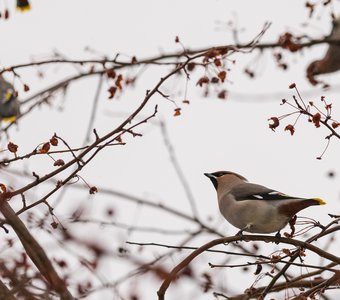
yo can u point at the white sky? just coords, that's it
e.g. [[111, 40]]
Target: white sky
[[210, 135]]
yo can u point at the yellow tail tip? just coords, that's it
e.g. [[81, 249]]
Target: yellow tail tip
[[320, 201], [24, 8], [10, 119], [23, 5]]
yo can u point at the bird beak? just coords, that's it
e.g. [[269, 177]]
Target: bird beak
[[209, 175], [212, 178]]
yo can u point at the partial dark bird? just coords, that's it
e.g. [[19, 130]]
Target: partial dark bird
[[331, 61], [9, 104], [23, 5]]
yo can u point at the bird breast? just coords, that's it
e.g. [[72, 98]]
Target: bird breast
[[258, 216]]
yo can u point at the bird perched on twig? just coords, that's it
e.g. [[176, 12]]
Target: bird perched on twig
[[9, 104], [253, 207], [331, 61]]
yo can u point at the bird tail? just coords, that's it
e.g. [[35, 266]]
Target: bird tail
[[319, 201], [23, 5]]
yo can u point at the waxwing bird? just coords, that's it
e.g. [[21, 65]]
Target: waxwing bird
[[23, 5], [255, 208], [9, 104], [331, 61]]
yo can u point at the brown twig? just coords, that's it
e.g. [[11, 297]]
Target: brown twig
[[162, 290], [34, 250], [158, 58]]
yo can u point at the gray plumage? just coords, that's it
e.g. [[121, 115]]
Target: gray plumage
[[253, 207]]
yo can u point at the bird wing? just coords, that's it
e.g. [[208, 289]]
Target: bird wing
[[251, 191]]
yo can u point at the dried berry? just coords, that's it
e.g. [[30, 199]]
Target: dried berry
[[45, 148], [54, 141], [177, 112], [275, 123], [290, 128], [93, 190], [12, 147], [59, 163]]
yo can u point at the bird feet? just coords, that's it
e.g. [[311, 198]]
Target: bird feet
[[278, 235], [240, 233]]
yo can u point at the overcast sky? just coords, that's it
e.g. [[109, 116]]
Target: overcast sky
[[210, 135]]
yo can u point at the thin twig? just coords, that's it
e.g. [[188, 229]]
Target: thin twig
[[178, 170], [94, 109]]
